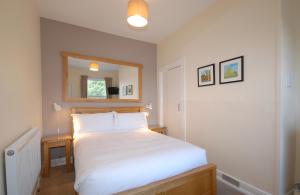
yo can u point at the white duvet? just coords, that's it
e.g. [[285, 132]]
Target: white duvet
[[112, 162]]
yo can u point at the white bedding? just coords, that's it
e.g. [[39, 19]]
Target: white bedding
[[112, 162]]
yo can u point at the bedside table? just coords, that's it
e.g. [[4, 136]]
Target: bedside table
[[158, 129], [55, 142]]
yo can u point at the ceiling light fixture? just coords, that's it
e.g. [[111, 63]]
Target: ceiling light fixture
[[94, 67], [137, 13]]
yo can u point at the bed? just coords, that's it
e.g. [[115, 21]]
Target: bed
[[138, 161]]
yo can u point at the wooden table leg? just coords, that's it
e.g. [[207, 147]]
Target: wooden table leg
[[68, 155], [46, 160]]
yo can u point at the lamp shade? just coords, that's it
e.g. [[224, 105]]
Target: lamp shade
[[94, 67], [137, 13], [57, 107]]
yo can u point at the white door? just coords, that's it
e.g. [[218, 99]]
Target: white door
[[173, 94]]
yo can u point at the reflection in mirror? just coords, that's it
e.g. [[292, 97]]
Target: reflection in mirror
[[101, 80]]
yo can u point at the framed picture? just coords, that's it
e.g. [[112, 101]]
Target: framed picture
[[232, 70], [206, 75], [124, 91], [129, 90]]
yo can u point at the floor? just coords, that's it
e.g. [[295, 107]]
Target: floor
[[61, 183]]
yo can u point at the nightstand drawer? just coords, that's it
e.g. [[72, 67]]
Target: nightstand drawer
[[57, 144]]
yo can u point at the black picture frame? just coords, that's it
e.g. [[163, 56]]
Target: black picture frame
[[129, 89], [242, 60], [213, 73]]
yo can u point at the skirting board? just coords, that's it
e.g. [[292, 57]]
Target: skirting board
[[59, 161], [243, 187]]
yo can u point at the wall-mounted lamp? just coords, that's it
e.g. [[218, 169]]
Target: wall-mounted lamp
[[148, 108], [57, 108]]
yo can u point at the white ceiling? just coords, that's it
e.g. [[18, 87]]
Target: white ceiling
[[166, 16]]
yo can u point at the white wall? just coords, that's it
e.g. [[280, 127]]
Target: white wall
[[129, 76], [287, 92], [20, 73], [297, 41], [235, 123]]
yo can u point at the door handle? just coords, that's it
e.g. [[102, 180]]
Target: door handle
[[179, 107]]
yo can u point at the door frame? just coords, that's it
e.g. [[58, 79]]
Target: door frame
[[161, 72]]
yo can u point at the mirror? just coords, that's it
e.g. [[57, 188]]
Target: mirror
[[95, 79]]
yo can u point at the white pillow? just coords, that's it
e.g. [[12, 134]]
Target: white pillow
[[93, 122], [131, 121]]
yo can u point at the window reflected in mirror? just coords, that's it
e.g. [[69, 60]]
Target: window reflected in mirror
[[96, 88], [96, 79]]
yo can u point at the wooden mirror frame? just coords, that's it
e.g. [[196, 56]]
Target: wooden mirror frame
[[66, 97]]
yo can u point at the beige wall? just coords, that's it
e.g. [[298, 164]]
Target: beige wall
[[57, 37], [20, 73], [235, 123]]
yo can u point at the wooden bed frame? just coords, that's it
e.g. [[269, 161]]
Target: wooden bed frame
[[199, 181]]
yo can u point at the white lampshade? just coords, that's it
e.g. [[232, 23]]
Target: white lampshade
[[137, 13], [149, 106]]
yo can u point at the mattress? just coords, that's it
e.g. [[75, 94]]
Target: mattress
[[112, 162]]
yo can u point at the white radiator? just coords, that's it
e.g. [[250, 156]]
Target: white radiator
[[23, 164]]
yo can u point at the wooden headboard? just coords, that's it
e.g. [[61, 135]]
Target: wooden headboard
[[93, 110]]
